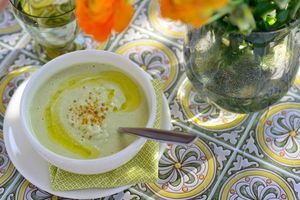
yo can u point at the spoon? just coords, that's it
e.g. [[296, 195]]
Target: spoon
[[161, 135]]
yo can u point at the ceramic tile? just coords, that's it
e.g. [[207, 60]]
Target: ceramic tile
[[160, 59], [188, 171], [274, 137], [247, 178]]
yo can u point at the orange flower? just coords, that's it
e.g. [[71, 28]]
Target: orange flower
[[100, 17], [195, 12]]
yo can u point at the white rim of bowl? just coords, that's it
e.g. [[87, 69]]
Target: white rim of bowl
[[24, 100]]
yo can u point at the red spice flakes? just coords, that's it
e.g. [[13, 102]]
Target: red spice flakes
[[91, 113]]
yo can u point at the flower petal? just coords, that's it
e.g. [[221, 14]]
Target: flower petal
[[122, 16], [100, 17], [195, 12]]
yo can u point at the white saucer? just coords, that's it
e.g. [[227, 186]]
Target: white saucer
[[34, 168]]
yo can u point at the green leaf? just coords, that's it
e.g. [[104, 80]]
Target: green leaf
[[262, 8], [283, 16], [294, 8], [270, 20], [282, 19]]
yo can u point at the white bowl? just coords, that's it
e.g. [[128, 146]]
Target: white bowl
[[86, 166]]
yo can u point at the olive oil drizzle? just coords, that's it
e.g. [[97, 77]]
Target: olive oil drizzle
[[56, 129]]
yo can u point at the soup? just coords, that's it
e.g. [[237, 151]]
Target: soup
[[76, 113]]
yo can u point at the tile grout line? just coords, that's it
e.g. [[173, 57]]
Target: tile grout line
[[9, 188], [157, 36], [198, 133], [243, 138], [29, 54], [295, 95], [24, 38], [269, 164], [177, 85], [6, 60], [203, 135], [236, 150], [212, 192]]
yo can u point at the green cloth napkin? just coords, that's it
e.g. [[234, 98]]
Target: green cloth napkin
[[143, 168]]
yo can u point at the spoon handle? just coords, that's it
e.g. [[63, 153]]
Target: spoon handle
[[159, 134]]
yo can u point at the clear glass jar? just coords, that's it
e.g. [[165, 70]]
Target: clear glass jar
[[242, 73]]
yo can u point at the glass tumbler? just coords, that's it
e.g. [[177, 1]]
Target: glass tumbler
[[51, 23]]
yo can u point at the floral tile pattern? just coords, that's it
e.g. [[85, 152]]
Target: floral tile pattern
[[185, 171], [189, 108], [154, 57], [10, 82], [8, 23], [255, 156], [160, 59], [278, 134], [249, 178], [255, 183], [275, 137], [188, 171], [204, 114]]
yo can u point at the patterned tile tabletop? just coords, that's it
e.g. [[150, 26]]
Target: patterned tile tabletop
[[255, 156]]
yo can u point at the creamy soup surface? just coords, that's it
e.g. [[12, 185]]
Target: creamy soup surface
[[77, 112]]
